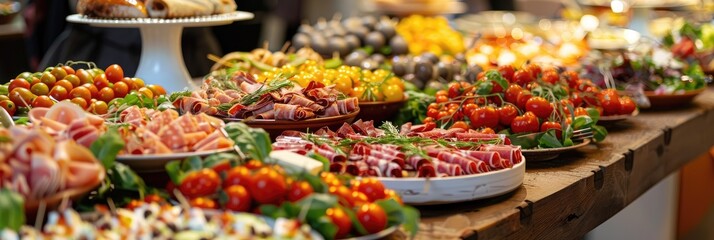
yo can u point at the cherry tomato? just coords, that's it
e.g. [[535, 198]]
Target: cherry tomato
[[391, 194], [455, 90], [340, 218], [372, 217], [576, 99], [40, 89], [146, 92], [609, 101], [203, 202], [34, 80], [579, 111], [238, 199], [572, 78], [98, 107], [330, 178], [18, 83], [238, 175], [506, 114], [59, 93], [550, 76], [137, 83], [48, 79], [72, 79], [153, 198], [24, 75], [101, 81], [433, 113], [627, 106], [65, 83], [84, 76], [114, 73], [298, 190], [80, 102], [534, 69], [268, 187], [441, 99], [59, 73], [488, 131], [460, 124], [68, 69], [373, 188], [428, 120], [106, 94], [507, 72], [22, 97], [344, 194], [133, 204], [82, 92], [525, 123], [552, 125], [9, 106], [42, 101], [120, 89], [523, 98], [484, 117], [522, 77], [159, 90], [254, 164], [92, 89], [539, 106], [512, 93], [203, 182]]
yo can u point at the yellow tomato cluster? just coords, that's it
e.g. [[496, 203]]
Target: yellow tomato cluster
[[430, 34], [378, 85]]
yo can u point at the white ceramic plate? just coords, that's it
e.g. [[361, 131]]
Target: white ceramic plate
[[422, 191], [198, 21], [157, 162]]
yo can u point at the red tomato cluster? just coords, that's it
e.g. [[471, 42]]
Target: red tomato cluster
[[523, 106], [244, 188], [91, 89]]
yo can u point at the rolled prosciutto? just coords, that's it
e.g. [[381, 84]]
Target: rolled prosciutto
[[291, 112], [509, 152]]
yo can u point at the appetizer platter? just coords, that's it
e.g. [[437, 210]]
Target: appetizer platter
[[161, 23]]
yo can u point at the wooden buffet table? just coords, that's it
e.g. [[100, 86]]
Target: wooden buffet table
[[568, 197]]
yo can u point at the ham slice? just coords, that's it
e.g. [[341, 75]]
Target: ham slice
[[292, 112], [493, 159], [347, 105], [509, 152]]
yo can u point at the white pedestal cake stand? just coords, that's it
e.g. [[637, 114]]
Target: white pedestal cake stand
[[161, 57]]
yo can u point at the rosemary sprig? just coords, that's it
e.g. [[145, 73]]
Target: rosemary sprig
[[274, 85]]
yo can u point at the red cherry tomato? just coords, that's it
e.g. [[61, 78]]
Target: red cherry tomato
[[203, 202], [525, 123], [18, 83], [84, 76], [22, 97], [512, 93], [268, 187], [9, 106], [523, 98], [106, 94], [42, 101], [627, 106], [238, 175], [59, 93], [441, 99], [484, 117], [507, 72], [80, 102], [488, 131], [506, 114], [552, 125], [299, 190], [373, 188], [82, 92], [550, 76], [199, 183], [120, 89], [372, 217], [433, 113], [455, 90], [253, 164], [114, 73], [571, 77], [133, 204], [68, 69], [153, 198], [539, 106], [609, 101], [340, 218], [579, 111], [522, 77], [238, 199], [534, 69], [66, 84], [100, 81], [460, 124]]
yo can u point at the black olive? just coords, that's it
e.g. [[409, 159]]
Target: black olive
[[399, 45], [424, 70], [339, 45], [443, 70], [378, 57], [352, 22], [431, 57], [353, 41], [412, 79], [369, 64], [354, 59], [319, 44], [369, 21], [399, 68], [360, 31], [300, 40], [386, 27], [375, 40]]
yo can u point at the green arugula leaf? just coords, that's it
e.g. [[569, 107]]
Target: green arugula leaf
[[12, 210], [400, 215], [496, 76], [549, 140], [325, 162], [593, 113], [581, 122], [107, 147]]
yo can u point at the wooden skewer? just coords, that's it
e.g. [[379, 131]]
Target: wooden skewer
[[285, 47]]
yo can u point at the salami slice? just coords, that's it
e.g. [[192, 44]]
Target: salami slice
[[509, 152], [493, 159]]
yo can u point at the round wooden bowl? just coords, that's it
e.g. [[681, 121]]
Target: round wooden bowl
[[276, 127], [379, 111], [659, 101], [545, 154], [53, 201]]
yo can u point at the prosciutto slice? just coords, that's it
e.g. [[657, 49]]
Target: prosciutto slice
[[292, 112], [470, 165], [447, 169], [347, 105], [474, 136], [304, 102], [508, 152], [493, 159]]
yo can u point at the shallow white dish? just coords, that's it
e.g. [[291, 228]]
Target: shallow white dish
[[422, 191], [157, 162]]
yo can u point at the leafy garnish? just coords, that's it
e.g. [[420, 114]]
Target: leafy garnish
[[254, 142], [12, 210]]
